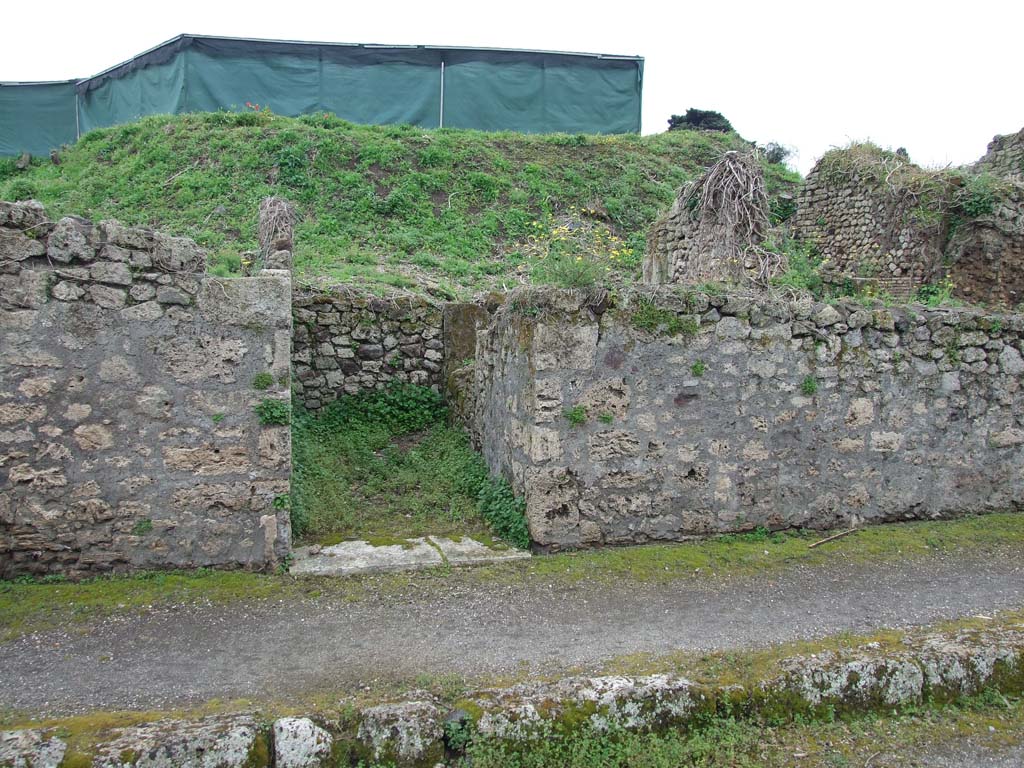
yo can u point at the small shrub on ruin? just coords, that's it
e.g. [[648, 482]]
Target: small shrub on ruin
[[564, 271], [803, 265], [698, 368], [573, 250], [936, 294], [809, 385], [977, 197]]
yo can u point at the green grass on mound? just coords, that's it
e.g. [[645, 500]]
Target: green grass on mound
[[450, 210]]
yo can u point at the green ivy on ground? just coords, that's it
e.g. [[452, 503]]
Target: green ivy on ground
[[385, 464]]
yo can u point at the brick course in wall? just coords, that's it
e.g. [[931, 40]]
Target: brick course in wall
[[128, 437]]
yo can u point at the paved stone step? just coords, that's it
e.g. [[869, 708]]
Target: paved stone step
[[350, 558]]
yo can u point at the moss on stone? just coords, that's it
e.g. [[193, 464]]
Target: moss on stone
[[259, 752]]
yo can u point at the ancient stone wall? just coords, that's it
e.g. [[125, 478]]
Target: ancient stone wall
[[346, 341], [129, 383], [877, 219], [668, 415], [986, 253], [1004, 157], [868, 225], [672, 243]]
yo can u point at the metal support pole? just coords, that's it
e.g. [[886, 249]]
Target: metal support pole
[[440, 120]]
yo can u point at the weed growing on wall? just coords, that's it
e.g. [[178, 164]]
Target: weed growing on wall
[[647, 316], [577, 415], [262, 381], [573, 250], [803, 262], [399, 408], [978, 196], [273, 411], [809, 385], [936, 294], [386, 464]]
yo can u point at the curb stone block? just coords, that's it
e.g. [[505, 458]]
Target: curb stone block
[[30, 749], [409, 733], [934, 668], [213, 742], [300, 743]]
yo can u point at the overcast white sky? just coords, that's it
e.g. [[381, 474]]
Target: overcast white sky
[[939, 78]]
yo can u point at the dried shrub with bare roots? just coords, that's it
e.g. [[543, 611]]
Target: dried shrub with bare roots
[[728, 207]]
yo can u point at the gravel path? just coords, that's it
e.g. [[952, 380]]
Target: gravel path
[[955, 754], [281, 651]]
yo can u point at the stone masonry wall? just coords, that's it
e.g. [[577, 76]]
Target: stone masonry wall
[[672, 244], [868, 231], [128, 437], [1004, 157], [731, 413], [346, 341], [986, 254]]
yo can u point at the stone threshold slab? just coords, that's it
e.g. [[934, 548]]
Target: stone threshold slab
[[350, 558]]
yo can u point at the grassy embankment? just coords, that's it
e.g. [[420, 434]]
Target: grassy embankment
[[449, 211]]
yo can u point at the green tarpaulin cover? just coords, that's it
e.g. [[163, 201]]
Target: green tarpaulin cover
[[36, 117], [486, 89]]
